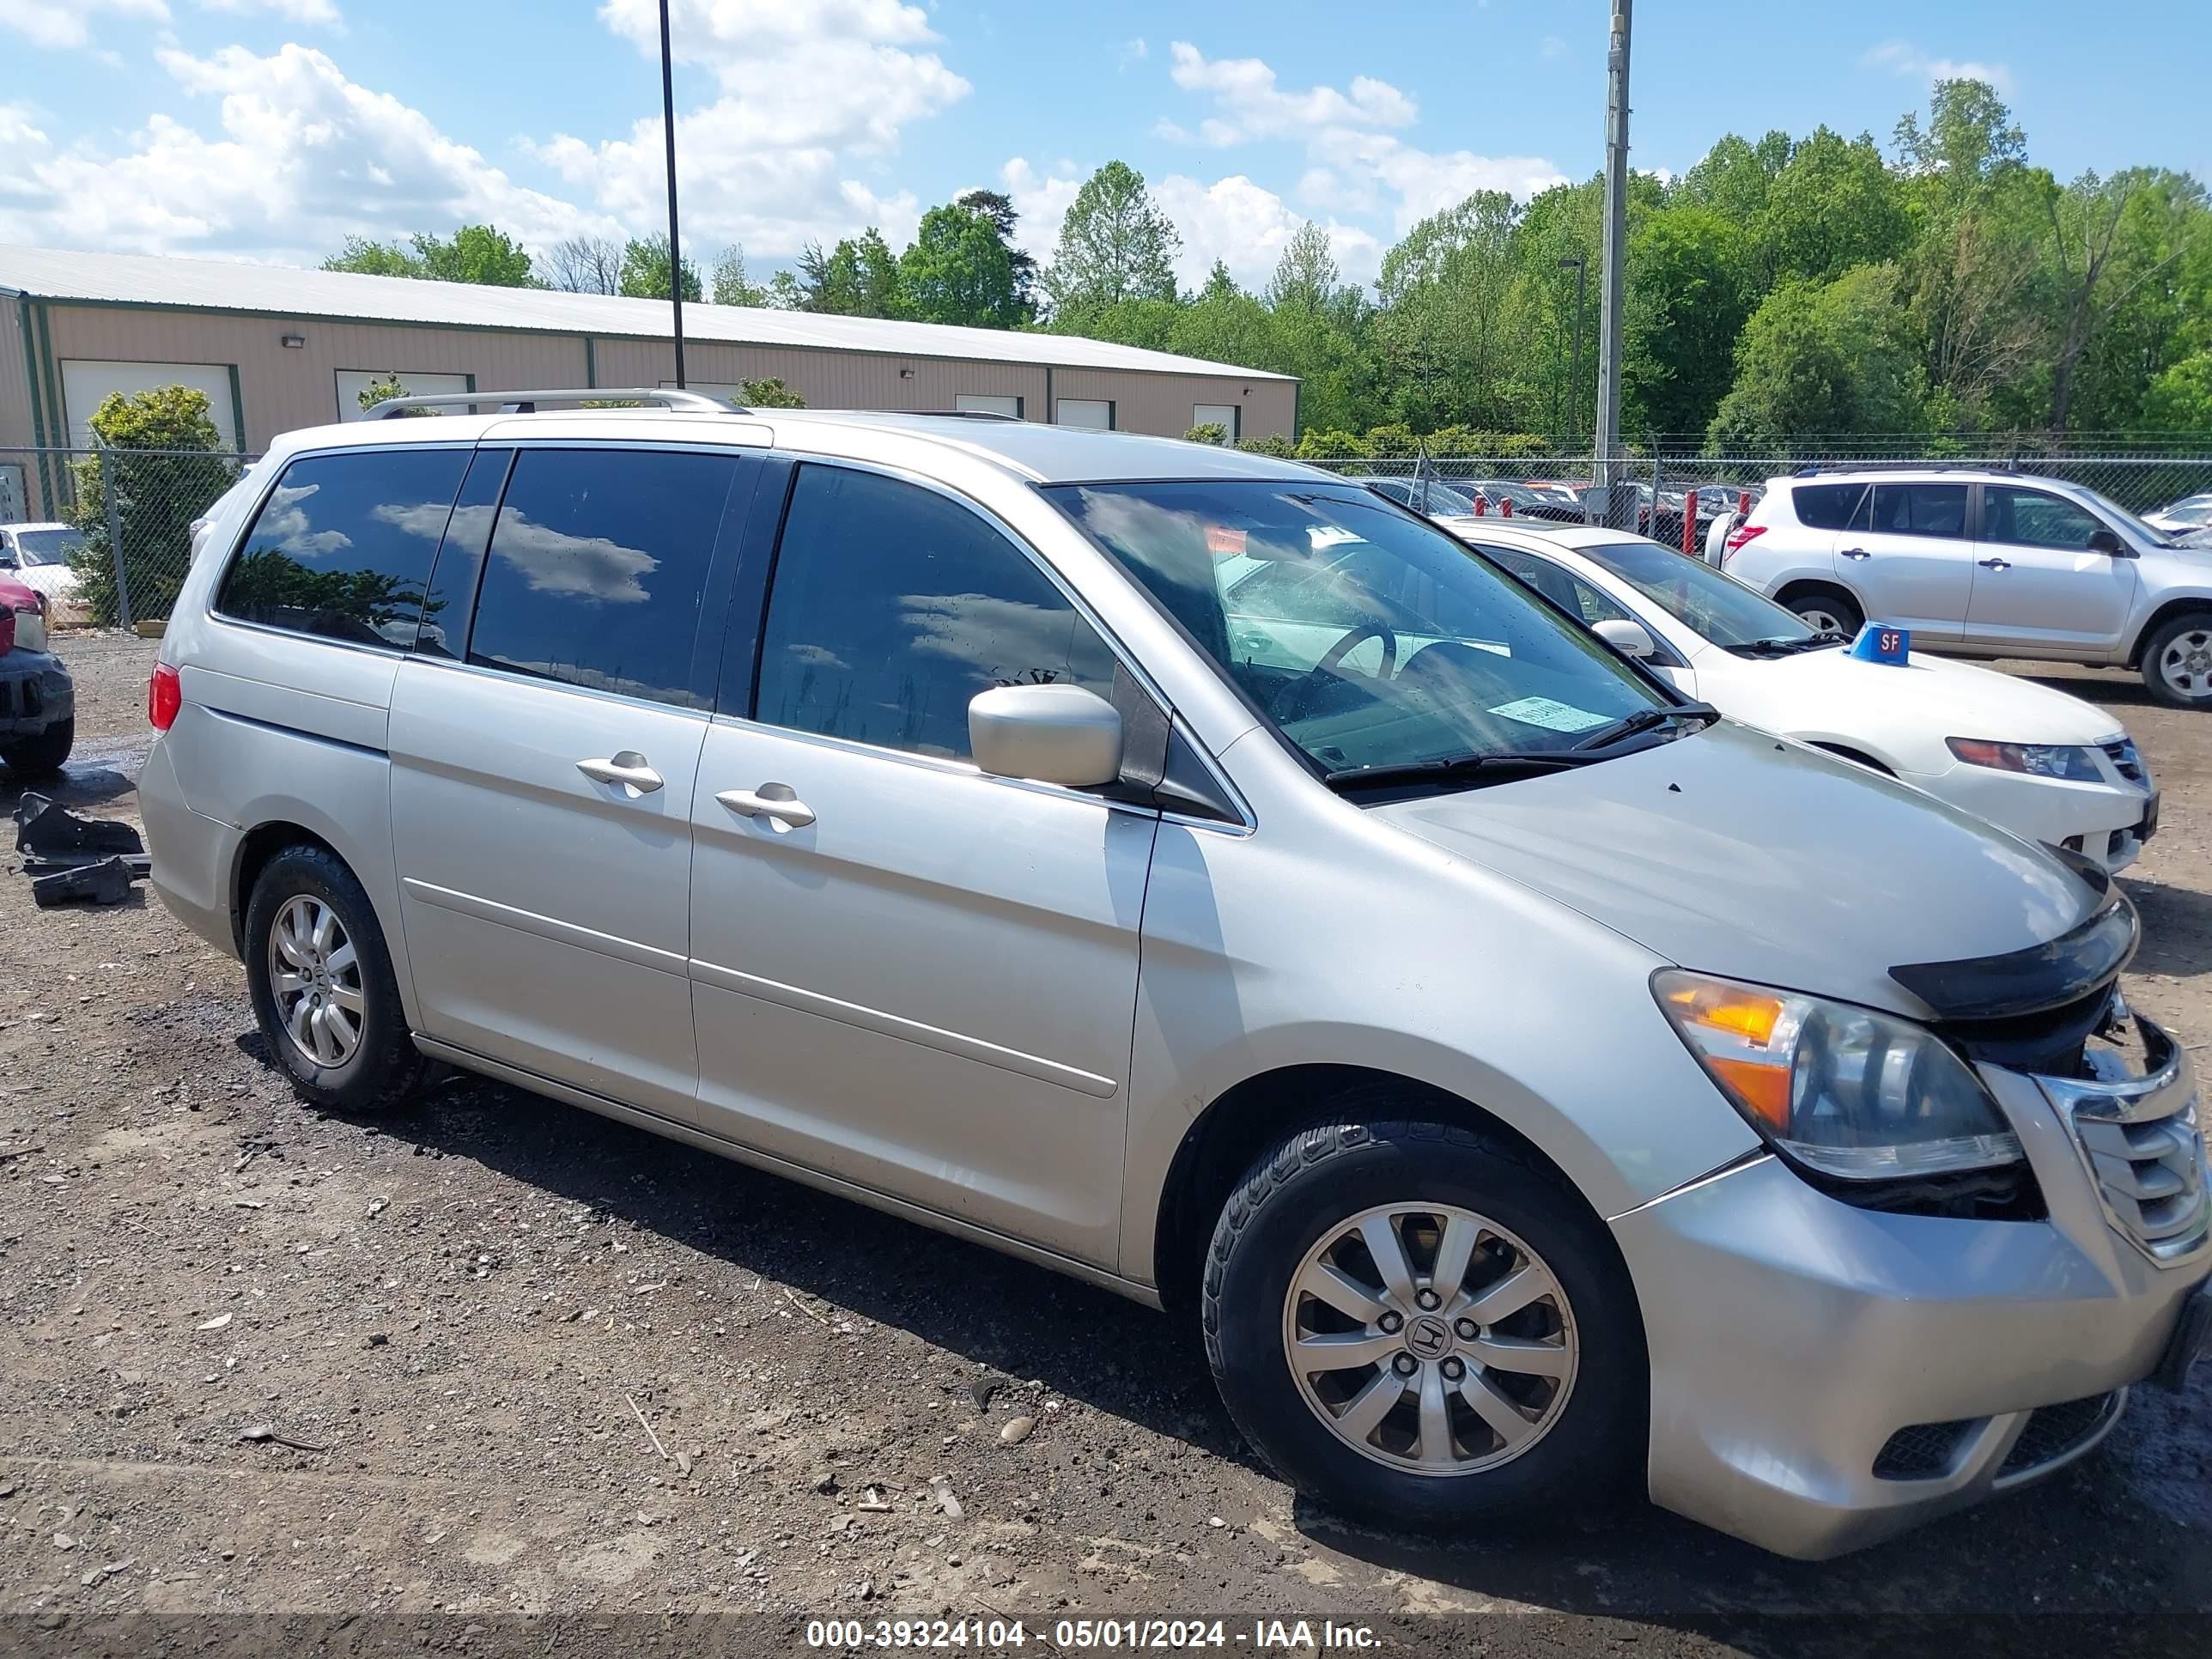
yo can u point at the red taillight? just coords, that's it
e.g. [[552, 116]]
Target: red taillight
[[1742, 536], [165, 695]]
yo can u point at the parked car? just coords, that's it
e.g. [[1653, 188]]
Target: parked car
[[1188, 871], [1984, 563], [37, 700], [37, 556], [2191, 516], [2048, 767]]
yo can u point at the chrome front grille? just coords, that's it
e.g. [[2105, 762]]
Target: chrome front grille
[[2137, 1120], [2125, 760]]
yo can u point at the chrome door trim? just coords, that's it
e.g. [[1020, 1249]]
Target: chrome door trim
[[545, 928], [906, 1031], [654, 1123]]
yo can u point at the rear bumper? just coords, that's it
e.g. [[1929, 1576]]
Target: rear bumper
[[35, 692], [194, 855], [1799, 1344]]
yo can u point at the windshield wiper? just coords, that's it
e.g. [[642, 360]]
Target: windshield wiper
[[1646, 719], [1452, 769]]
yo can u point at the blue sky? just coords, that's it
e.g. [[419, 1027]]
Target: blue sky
[[272, 129]]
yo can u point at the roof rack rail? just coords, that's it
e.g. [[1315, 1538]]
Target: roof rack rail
[[1815, 468], [525, 403], [960, 414]]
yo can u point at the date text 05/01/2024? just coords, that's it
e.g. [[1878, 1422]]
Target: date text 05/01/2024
[[1001, 1634]]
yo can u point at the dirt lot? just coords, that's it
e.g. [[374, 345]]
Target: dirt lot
[[469, 1325]]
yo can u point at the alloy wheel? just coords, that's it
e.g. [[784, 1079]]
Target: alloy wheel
[[2185, 663], [1430, 1338], [1821, 620], [314, 978]]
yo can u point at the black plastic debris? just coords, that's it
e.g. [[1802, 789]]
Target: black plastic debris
[[107, 882], [52, 839]]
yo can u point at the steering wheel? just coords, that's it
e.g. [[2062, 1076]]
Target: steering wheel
[[1290, 702]]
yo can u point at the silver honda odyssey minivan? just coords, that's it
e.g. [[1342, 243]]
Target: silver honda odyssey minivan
[[1197, 874]]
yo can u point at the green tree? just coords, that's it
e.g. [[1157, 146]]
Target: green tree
[[384, 391], [1688, 271], [731, 286], [164, 460], [1818, 360], [475, 253], [1115, 243], [645, 270], [999, 207], [1834, 205], [859, 277], [957, 271], [771, 393]]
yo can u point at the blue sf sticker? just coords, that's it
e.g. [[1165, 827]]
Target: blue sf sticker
[[1876, 643]]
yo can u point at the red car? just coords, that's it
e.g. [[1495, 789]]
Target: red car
[[37, 700]]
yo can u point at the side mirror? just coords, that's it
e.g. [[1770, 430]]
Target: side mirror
[[1631, 639], [1059, 734], [2102, 540]]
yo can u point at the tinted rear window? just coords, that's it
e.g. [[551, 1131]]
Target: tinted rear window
[[598, 569], [1826, 506], [342, 546]]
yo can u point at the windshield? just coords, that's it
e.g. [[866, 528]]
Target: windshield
[[1709, 601], [2105, 504], [1368, 637], [47, 546]]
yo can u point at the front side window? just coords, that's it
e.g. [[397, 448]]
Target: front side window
[[893, 606], [1374, 639], [597, 570], [1710, 601], [1919, 509], [2028, 518], [342, 546]]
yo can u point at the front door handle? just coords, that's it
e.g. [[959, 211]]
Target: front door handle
[[1997, 564], [771, 800], [1857, 553], [627, 769]]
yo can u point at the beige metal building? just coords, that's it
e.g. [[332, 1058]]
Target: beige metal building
[[276, 347]]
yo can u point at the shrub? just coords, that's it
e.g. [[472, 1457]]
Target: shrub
[[165, 461], [1333, 446], [771, 393], [1209, 432], [1269, 443]]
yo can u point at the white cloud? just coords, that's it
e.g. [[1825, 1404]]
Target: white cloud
[[806, 91], [304, 159], [69, 23], [1253, 106], [1915, 65], [1550, 46], [1245, 226], [1042, 200], [1422, 181], [320, 13]]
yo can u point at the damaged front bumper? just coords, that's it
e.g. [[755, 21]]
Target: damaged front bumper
[[35, 692]]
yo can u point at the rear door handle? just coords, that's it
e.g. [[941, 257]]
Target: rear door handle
[[1997, 564], [1857, 553], [627, 769], [771, 800]]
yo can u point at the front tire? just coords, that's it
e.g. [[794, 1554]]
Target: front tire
[[323, 991], [1420, 1329], [43, 755], [2176, 662]]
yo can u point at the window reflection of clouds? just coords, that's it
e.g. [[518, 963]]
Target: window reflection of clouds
[[999, 639], [593, 567], [287, 526]]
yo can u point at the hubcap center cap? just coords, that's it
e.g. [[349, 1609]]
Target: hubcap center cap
[[1428, 1340]]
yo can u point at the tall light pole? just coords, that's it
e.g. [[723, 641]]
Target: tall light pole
[[1575, 380], [1616, 241], [675, 244]]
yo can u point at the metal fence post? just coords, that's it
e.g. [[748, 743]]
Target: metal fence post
[[111, 479]]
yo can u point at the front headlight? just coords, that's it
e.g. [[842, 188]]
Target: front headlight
[[2042, 760], [30, 630], [1845, 1090]]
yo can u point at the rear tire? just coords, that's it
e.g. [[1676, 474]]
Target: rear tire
[[1437, 1403], [1829, 609], [323, 991], [2176, 662], [43, 755]]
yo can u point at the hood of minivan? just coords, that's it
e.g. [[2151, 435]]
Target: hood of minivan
[[1734, 853]]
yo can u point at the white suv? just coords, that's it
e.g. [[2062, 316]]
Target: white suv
[[1986, 563]]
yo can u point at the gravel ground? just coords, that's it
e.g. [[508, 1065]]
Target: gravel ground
[[259, 1360]]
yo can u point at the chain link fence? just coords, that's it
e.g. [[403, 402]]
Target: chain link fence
[[1654, 493], [106, 534]]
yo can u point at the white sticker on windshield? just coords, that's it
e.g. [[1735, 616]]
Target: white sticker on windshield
[[1552, 716]]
